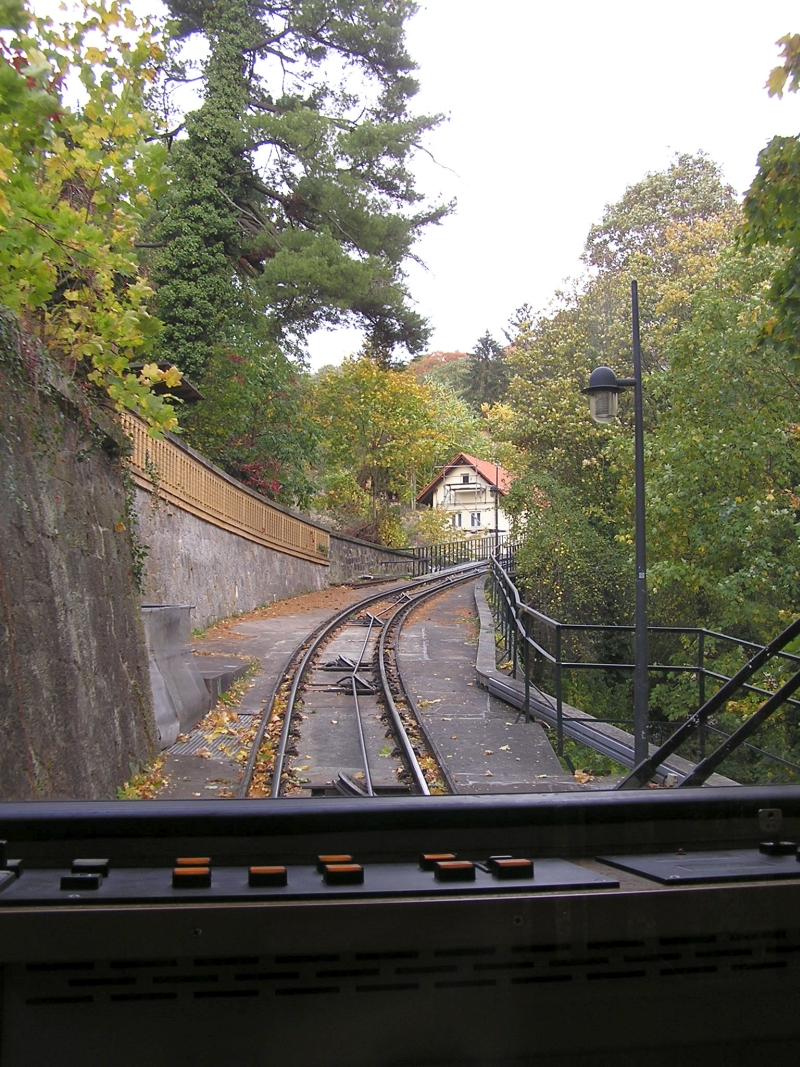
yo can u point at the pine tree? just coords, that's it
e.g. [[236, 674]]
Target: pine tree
[[293, 197]]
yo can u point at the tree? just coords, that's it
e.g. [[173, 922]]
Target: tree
[[589, 469], [256, 420], [376, 424], [772, 218], [690, 190], [723, 466], [486, 373], [382, 434], [292, 194], [75, 181]]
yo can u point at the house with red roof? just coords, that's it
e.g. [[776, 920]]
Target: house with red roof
[[471, 490]]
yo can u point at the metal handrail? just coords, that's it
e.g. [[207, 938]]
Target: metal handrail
[[427, 558], [518, 621]]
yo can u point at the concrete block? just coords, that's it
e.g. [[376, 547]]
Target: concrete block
[[180, 696]]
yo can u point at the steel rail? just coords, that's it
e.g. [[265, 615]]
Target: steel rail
[[396, 619], [359, 724], [247, 776], [321, 633]]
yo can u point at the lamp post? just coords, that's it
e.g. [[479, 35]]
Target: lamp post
[[603, 392], [496, 491]]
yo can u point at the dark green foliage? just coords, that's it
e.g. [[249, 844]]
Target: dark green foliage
[[256, 422], [293, 193], [568, 568], [200, 226], [772, 217], [486, 374], [723, 467]]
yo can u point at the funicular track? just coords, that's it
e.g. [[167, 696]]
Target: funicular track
[[350, 663]]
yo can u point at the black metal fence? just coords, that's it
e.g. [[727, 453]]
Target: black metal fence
[[687, 666], [431, 558]]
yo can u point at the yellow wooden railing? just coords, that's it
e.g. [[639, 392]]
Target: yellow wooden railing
[[191, 483]]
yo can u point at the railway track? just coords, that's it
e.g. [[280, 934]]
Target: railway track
[[339, 719]]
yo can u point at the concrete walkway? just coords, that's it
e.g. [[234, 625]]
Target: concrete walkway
[[483, 743]]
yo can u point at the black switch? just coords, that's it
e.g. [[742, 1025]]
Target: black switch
[[267, 876], [455, 871], [81, 881], [507, 868], [90, 867], [343, 874], [191, 878]]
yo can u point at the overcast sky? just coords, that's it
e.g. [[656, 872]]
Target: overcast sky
[[554, 109]]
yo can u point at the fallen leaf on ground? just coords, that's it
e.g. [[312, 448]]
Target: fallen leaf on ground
[[488, 752], [505, 748], [489, 774]]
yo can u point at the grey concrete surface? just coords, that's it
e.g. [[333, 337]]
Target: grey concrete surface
[[270, 641], [180, 696], [484, 743]]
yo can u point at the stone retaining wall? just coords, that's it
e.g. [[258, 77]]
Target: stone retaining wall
[[350, 557], [75, 705], [190, 561]]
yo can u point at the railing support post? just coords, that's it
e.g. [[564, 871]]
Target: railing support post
[[701, 689], [527, 667], [559, 701]]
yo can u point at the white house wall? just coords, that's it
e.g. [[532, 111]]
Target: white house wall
[[468, 499]]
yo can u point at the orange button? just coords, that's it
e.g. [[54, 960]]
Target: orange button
[[455, 871], [267, 876], [428, 859], [343, 874], [323, 860], [512, 868], [191, 878]]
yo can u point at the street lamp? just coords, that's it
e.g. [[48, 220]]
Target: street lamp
[[603, 392], [495, 489]]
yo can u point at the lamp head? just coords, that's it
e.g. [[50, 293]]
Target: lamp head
[[603, 392]]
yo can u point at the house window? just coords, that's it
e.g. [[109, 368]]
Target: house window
[[457, 519], [475, 519], [465, 479]]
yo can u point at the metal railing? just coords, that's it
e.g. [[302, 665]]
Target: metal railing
[[431, 558], [181, 476], [547, 652]]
